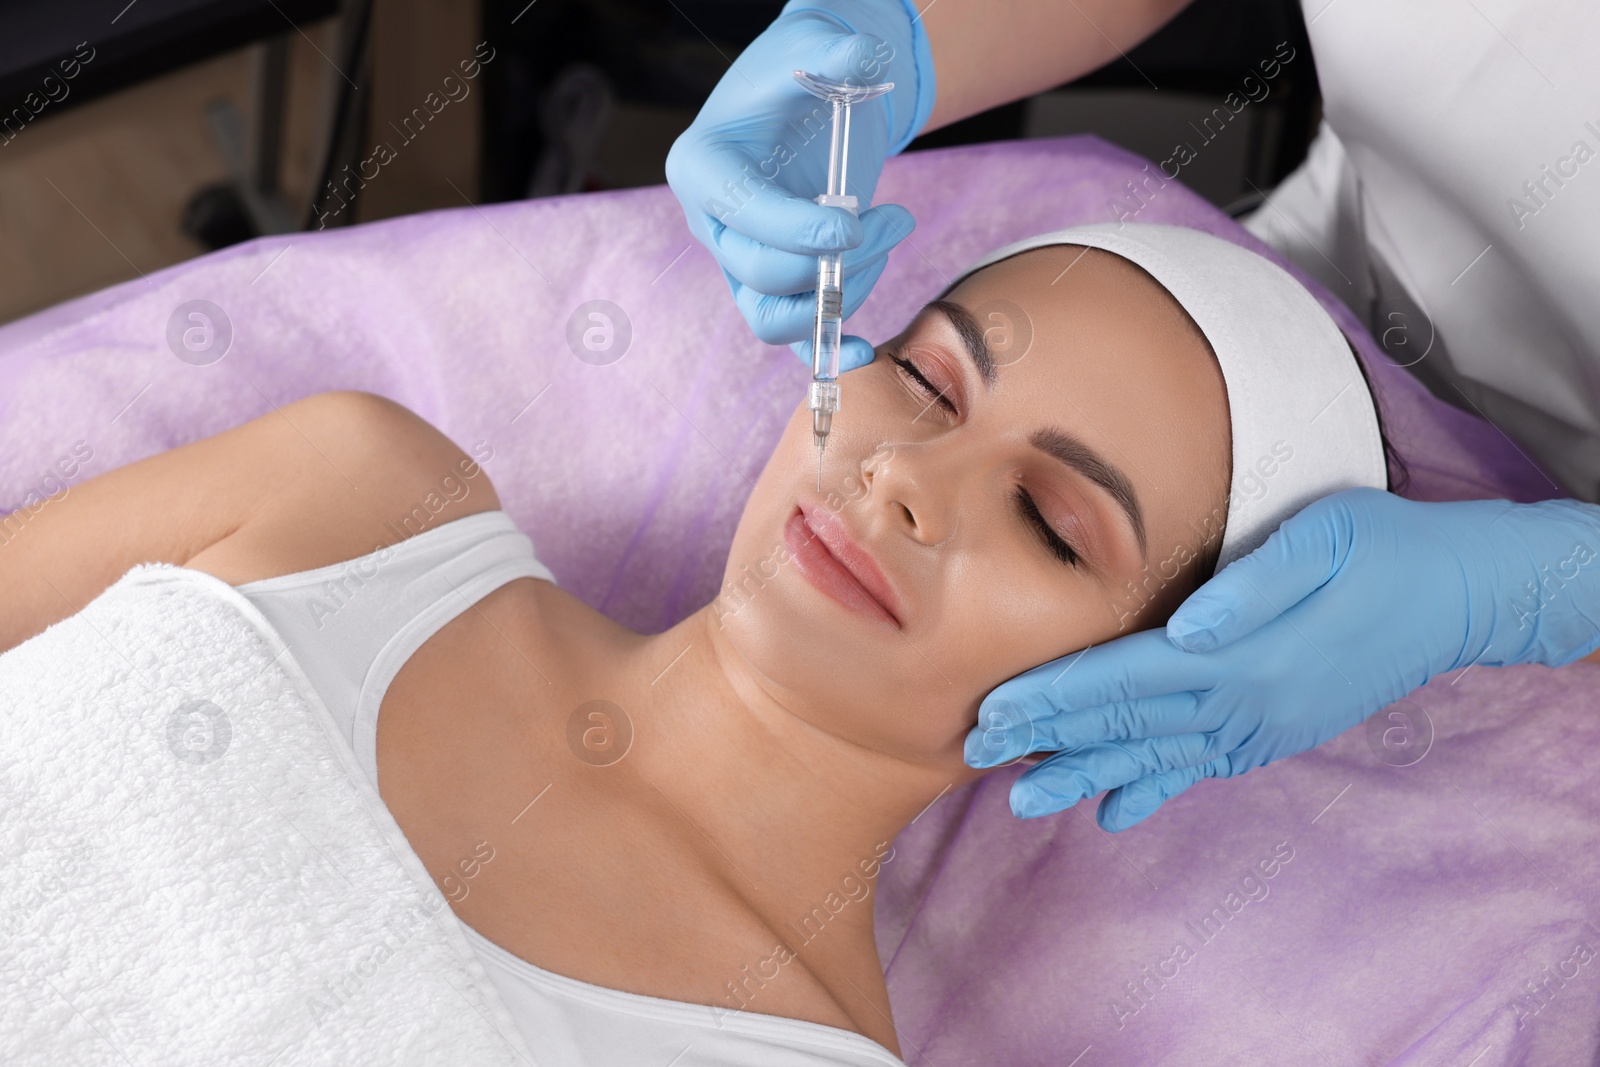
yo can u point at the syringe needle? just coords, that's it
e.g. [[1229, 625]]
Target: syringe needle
[[821, 441]]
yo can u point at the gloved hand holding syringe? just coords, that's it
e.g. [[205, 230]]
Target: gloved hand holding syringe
[[826, 337]]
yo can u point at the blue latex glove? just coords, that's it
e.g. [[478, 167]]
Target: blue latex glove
[[747, 168], [1350, 605]]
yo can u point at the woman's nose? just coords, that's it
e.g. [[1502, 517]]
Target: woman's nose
[[919, 484]]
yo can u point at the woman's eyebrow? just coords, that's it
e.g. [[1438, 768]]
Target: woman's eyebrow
[[1054, 442], [1063, 446], [972, 339]]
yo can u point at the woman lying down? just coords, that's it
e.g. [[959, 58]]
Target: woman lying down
[[703, 811]]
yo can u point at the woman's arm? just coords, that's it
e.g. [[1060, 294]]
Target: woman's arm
[[310, 483], [987, 54]]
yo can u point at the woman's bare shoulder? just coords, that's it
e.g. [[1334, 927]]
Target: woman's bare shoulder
[[359, 471]]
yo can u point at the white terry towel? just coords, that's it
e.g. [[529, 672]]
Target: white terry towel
[[196, 872]]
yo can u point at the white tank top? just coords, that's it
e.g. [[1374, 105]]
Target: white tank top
[[352, 625]]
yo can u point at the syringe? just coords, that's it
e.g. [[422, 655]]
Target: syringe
[[823, 398]]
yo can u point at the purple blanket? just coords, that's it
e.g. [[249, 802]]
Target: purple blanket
[[1421, 890]]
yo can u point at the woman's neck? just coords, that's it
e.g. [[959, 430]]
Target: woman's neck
[[799, 821]]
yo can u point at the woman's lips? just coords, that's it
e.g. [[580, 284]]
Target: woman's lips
[[823, 570]]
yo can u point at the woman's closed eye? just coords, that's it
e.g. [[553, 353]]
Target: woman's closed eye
[[921, 382], [1053, 541], [1026, 507]]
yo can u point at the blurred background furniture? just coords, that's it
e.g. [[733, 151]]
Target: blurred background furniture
[[200, 123]]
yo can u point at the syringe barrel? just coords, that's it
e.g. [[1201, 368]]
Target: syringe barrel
[[830, 319], [829, 331]]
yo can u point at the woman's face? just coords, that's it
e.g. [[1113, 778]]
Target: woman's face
[[1065, 502]]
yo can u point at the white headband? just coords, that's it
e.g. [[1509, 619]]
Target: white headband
[[1304, 425]]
